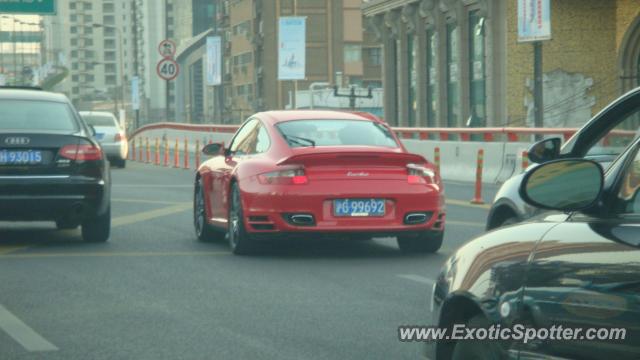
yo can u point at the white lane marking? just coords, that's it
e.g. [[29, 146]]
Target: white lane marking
[[417, 278], [22, 333]]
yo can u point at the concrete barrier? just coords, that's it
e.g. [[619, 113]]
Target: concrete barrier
[[457, 158]]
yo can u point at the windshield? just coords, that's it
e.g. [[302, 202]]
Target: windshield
[[35, 115], [299, 133], [99, 120]]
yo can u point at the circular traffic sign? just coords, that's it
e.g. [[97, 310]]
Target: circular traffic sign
[[167, 48], [167, 69]]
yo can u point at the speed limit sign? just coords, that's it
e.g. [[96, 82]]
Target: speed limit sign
[[167, 69]]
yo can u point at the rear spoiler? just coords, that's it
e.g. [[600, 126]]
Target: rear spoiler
[[355, 157]]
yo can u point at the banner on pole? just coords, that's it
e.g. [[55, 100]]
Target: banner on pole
[[214, 60], [292, 48], [534, 20], [135, 93]]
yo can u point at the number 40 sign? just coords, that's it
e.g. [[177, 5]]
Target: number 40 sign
[[168, 69]]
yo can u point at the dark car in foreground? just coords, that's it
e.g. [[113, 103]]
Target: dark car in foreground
[[602, 139], [577, 266], [318, 174], [51, 167]]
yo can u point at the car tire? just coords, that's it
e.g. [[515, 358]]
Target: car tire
[[204, 231], [239, 240], [121, 163], [66, 224], [428, 242], [97, 229], [477, 349]]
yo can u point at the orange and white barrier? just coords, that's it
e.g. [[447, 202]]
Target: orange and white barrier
[[477, 198]]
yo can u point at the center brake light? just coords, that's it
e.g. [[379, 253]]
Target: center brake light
[[284, 177], [81, 152]]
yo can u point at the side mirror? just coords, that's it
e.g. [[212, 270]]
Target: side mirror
[[545, 150], [566, 185], [213, 149]]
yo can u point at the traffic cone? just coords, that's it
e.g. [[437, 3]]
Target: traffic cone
[[477, 199], [148, 150], [197, 153], [525, 160], [157, 152], [186, 154], [176, 155], [166, 153]]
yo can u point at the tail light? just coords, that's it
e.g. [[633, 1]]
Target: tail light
[[119, 137], [81, 152], [284, 177], [417, 174]]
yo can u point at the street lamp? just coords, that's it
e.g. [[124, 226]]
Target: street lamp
[[121, 59]]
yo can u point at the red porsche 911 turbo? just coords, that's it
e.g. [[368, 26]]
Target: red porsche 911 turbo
[[317, 174]]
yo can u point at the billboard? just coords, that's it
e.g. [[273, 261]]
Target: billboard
[[214, 60], [534, 20], [292, 48]]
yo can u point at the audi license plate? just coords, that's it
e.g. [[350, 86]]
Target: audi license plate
[[20, 157], [359, 207]]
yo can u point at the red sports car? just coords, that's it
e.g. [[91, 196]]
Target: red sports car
[[317, 174]]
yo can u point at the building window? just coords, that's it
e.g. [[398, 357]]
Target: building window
[[108, 7], [477, 90], [412, 68], [352, 53], [453, 86], [375, 56], [432, 78], [110, 80]]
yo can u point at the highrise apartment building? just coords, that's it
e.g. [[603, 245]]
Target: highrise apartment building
[[92, 39]]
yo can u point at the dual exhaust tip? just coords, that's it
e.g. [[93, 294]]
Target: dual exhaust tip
[[414, 218]]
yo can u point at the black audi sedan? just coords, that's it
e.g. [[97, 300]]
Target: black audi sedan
[[51, 167], [577, 266]]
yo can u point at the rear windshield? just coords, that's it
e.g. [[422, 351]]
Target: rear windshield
[[299, 133], [35, 115], [99, 120]]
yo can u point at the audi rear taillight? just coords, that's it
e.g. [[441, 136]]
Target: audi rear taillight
[[81, 152], [284, 177], [417, 174]]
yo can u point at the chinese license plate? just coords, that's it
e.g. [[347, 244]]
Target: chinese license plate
[[20, 157], [359, 207], [99, 136]]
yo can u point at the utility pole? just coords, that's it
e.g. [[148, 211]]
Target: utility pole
[[167, 99], [538, 100], [135, 57]]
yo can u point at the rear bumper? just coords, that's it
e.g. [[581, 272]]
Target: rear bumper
[[52, 198], [268, 209]]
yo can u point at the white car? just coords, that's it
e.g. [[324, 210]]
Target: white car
[[111, 136]]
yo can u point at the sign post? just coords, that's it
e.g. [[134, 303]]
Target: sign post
[[534, 25], [167, 69]]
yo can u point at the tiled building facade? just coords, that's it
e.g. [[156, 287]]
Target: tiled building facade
[[455, 63]]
